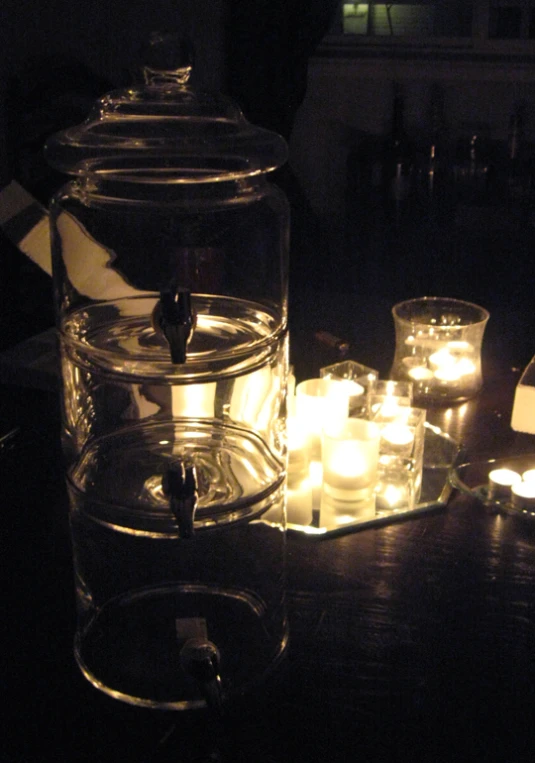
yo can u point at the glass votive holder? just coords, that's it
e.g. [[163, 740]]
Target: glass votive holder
[[400, 466], [318, 402], [438, 348], [387, 397], [350, 456], [360, 381]]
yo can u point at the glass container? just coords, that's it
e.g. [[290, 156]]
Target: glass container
[[170, 266], [438, 348]]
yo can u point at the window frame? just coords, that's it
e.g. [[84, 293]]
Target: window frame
[[480, 43]]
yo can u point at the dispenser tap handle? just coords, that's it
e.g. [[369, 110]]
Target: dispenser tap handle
[[175, 317], [180, 485], [200, 659]]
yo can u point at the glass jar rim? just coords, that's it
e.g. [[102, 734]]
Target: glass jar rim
[[470, 313]]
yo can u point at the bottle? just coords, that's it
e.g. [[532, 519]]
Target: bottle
[[515, 176], [398, 166], [433, 168]]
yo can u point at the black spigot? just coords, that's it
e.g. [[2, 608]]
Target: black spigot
[[174, 317], [200, 659], [179, 484]]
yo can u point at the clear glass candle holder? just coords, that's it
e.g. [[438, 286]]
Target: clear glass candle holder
[[360, 381], [438, 348], [317, 402], [400, 466], [350, 456]]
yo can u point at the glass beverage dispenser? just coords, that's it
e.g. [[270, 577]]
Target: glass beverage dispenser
[[170, 259]]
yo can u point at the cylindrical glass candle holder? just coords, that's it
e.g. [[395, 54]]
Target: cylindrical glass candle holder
[[317, 402], [350, 455], [438, 348]]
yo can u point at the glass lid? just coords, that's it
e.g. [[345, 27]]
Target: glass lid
[[194, 135]]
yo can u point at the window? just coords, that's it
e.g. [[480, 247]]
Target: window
[[478, 24], [450, 18]]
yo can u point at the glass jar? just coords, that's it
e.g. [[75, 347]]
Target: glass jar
[[170, 265], [438, 348]]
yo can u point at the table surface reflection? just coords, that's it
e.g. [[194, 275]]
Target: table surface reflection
[[413, 641]]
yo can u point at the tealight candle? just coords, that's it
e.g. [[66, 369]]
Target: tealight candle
[[389, 400], [523, 495], [350, 459], [501, 481], [363, 379], [529, 475], [420, 373], [442, 358], [398, 435]]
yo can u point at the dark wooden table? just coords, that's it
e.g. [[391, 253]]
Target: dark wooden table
[[410, 642]]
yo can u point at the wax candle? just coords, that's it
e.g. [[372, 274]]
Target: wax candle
[[319, 401], [398, 435], [523, 495], [363, 378], [500, 483], [420, 373], [350, 458]]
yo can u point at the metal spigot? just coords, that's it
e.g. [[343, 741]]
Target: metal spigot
[[175, 318], [200, 660], [179, 484]]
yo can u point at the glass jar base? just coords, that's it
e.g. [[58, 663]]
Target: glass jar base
[[131, 648]]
